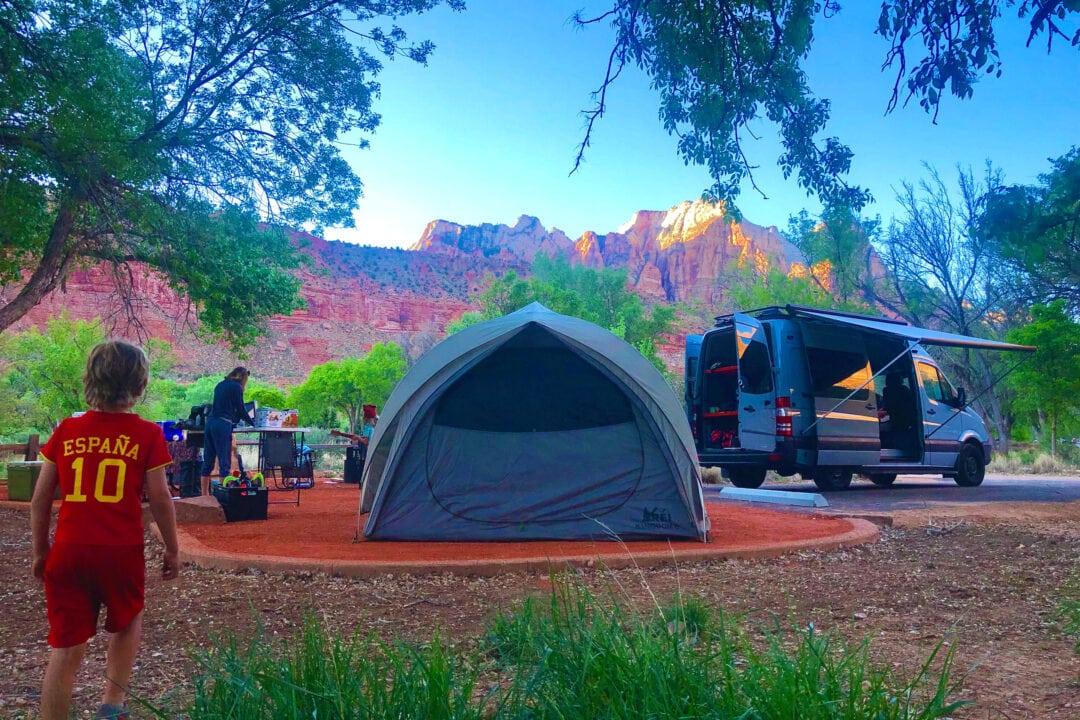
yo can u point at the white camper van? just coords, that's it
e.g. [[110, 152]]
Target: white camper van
[[828, 394]]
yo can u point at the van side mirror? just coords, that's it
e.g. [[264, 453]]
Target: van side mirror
[[961, 397]]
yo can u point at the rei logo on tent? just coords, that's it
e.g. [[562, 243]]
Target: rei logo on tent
[[656, 518]]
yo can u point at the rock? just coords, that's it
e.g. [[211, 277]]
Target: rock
[[202, 510], [357, 295]]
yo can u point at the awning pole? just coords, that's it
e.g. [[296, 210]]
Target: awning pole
[[982, 392]]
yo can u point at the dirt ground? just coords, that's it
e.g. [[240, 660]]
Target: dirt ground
[[984, 579], [321, 527]]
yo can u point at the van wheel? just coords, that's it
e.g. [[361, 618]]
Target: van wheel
[[747, 477], [883, 479], [970, 468], [834, 478]]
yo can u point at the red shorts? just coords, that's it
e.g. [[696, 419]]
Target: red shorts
[[79, 579]]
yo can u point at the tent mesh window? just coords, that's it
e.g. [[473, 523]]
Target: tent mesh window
[[533, 384]]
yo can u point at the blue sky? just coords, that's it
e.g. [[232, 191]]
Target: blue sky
[[488, 131]]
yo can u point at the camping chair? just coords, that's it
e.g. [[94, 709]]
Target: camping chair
[[283, 460]]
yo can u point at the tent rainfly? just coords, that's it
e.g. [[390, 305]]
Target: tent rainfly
[[532, 426]]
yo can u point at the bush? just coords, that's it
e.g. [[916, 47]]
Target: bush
[[1028, 461], [711, 475]]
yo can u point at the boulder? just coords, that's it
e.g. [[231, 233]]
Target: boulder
[[202, 510]]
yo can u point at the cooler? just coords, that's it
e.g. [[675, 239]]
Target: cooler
[[354, 463], [22, 477]]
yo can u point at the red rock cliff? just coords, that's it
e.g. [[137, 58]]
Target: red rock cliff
[[357, 296]]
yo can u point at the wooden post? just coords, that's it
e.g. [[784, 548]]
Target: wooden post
[[33, 445]]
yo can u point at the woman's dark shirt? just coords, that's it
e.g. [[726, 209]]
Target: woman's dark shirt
[[229, 402]]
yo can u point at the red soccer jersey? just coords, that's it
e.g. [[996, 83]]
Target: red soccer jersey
[[102, 459]]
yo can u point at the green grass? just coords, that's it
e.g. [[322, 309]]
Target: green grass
[[576, 658], [320, 676], [1068, 611], [570, 656]]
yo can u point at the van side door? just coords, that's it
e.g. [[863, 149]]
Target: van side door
[[845, 404], [940, 405], [756, 399]]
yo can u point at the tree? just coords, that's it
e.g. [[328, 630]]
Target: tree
[[599, 296], [381, 370], [1048, 385], [45, 369], [942, 274], [1037, 229], [838, 249], [264, 394], [719, 66], [345, 386], [746, 289], [467, 319], [173, 133], [165, 399]]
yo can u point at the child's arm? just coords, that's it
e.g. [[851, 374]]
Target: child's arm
[[40, 516], [161, 506]]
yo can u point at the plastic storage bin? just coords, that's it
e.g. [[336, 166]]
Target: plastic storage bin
[[241, 503]]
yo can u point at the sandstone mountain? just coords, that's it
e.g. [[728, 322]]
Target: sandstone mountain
[[358, 295], [674, 255]]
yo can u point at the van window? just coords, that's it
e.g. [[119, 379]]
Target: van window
[[936, 386], [755, 370], [836, 373]]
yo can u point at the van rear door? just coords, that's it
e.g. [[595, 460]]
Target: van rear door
[[691, 383], [757, 403], [691, 369], [846, 422]]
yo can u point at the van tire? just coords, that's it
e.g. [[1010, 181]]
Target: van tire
[[970, 468], [829, 479], [746, 477], [883, 479]]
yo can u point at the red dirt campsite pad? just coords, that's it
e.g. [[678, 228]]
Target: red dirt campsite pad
[[324, 525]]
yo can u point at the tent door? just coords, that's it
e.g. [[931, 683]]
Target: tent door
[[757, 411]]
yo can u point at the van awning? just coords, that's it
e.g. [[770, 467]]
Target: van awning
[[920, 335]]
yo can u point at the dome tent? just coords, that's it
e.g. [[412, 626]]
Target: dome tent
[[532, 426]]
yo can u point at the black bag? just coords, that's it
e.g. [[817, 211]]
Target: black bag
[[198, 417], [354, 462], [189, 478]]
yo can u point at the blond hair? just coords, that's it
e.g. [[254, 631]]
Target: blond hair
[[116, 375]]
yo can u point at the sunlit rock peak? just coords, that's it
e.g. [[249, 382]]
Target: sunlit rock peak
[[688, 220], [524, 239]]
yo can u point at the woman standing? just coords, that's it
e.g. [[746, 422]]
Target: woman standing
[[228, 409]]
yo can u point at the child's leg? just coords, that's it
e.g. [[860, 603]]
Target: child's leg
[[59, 680], [119, 660]]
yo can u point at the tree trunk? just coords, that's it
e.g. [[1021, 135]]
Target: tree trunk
[[55, 263], [992, 405], [1053, 436]]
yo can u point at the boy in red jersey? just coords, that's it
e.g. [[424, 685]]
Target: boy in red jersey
[[100, 461]]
